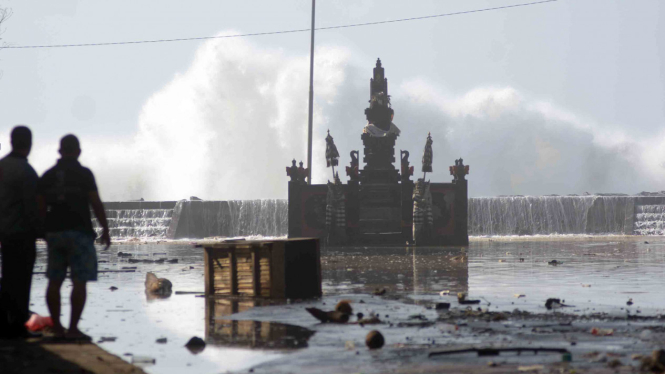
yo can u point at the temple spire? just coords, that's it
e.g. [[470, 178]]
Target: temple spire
[[379, 83]]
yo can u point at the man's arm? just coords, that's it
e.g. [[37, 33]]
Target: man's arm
[[98, 208]]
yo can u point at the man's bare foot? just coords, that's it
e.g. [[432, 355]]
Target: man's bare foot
[[76, 334]]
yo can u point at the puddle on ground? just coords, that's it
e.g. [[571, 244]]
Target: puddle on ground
[[224, 332], [595, 276]]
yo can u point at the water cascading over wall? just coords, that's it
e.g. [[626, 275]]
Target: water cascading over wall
[[550, 215], [137, 219], [488, 216], [201, 219], [196, 219]]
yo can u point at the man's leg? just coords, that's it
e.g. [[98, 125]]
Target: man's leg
[[24, 281], [84, 269], [78, 297], [15, 291], [53, 301], [56, 273], [4, 287]]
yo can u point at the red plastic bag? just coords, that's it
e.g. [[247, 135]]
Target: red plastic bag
[[38, 323]]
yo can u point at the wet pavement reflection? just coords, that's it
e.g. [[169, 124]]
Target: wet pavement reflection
[[408, 270], [249, 334], [593, 274]]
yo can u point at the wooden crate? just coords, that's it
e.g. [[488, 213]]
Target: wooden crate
[[279, 269]]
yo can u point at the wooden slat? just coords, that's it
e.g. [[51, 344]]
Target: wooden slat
[[234, 273], [208, 273], [256, 269]]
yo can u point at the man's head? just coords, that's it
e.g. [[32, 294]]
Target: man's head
[[69, 147], [21, 139]]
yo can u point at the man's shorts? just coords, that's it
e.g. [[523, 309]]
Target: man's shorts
[[73, 249]]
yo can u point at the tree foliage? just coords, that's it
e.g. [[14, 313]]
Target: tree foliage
[[5, 13]]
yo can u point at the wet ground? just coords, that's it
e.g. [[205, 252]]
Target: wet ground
[[597, 276]]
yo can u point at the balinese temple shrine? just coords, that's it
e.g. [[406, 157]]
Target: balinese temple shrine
[[379, 204]]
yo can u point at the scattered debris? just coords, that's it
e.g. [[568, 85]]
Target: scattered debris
[[195, 345], [444, 293], [372, 320], [460, 258], [123, 254], [519, 295], [655, 362], [555, 304], [418, 324], [602, 332], [442, 306], [555, 263], [374, 340], [148, 261], [161, 341], [497, 351], [461, 298], [105, 339], [324, 317], [113, 288], [615, 363], [530, 368], [157, 286], [38, 323], [586, 285], [344, 306], [143, 360], [380, 292], [449, 328]]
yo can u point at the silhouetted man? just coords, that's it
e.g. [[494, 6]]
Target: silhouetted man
[[19, 227], [65, 193]]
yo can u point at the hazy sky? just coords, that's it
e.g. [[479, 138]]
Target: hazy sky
[[599, 61]]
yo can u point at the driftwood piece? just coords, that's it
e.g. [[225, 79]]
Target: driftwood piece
[[497, 351]]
